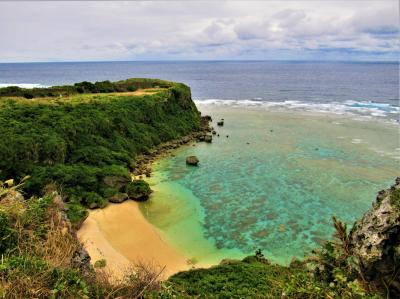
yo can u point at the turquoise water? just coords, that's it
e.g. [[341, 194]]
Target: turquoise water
[[273, 184]]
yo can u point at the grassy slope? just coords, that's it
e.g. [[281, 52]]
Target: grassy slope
[[77, 140], [257, 278]]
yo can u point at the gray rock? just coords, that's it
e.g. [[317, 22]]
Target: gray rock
[[118, 182], [118, 197], [208, 138], [375, 241], [81, 260]]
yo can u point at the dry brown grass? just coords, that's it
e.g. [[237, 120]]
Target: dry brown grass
[[45, 259], [23, 286]]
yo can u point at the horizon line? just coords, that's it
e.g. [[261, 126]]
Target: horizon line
[[205, 60]]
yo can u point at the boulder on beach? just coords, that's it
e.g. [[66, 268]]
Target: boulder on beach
[[192, 160], [220, 123], [118, 197]]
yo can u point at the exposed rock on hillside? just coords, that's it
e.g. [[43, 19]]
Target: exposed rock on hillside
[[118, 198], [118, 182], [375, 241]]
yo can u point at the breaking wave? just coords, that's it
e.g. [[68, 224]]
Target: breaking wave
[[23, 85], [367, 109]]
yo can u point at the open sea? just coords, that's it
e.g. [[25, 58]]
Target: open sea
[[307, 140]]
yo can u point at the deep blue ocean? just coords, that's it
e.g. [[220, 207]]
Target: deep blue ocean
[[320, 82]]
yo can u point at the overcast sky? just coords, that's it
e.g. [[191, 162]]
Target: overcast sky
[[217, 30]]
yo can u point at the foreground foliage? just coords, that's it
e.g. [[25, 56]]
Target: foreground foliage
[[42, 258], [257, 278]]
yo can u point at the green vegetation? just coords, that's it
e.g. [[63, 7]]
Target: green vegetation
[[84, 87], [138, 190], [255, 277], [100, 263], [82, 141]]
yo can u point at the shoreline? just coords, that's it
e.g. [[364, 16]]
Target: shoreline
[[104, 236], [102, 232]]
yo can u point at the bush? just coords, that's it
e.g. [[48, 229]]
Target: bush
[[100, 263], [138, 190], [93, 200]]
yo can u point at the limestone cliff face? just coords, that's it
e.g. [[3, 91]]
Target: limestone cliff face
[[375, 241]]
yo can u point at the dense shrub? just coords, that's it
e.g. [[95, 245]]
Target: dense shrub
[[257, 278], [138, 190], [84, 87]]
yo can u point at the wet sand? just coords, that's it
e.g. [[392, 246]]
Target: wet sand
[[120, 234]]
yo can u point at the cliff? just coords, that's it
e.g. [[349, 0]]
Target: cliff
[[83, 140], [375, 241]]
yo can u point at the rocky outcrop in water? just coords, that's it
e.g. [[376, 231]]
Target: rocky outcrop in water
[[208, 138], [192, 160], [375, 241]]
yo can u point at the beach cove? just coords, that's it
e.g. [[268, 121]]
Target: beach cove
[[282, 167]]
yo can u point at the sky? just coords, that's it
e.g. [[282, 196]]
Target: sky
[[199, 30]]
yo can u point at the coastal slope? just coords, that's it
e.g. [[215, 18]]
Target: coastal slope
[[83, 139]]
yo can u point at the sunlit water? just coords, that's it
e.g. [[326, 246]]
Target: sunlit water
[[273, 184]]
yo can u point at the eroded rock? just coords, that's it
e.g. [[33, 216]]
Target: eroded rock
[[118, 182], [375, 241], [192, 160], [118, 198]]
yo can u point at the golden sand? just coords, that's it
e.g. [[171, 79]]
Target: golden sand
[[122, 236]]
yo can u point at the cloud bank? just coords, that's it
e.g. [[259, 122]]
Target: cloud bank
[[85, 31]]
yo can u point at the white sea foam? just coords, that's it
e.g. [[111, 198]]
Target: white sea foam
[[22, 85], [356, 141], [361, 110]]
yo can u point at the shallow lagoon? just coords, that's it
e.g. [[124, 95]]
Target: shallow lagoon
[[274, 184]]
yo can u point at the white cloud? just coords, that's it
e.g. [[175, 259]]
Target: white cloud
[[37, 31]]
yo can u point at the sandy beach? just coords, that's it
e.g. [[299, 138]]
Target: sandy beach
[[122, 236]]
